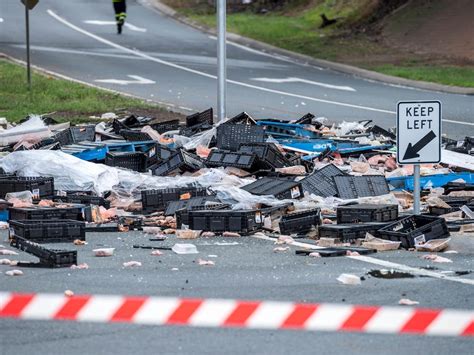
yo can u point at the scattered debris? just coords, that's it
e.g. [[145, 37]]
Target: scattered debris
[[82, 266], [79, 242], [184, 249], [14, 272], [68, 293], [156, 253], [5, 262], [7, 252], [280, 249], [132, 263], [407, 302], [436, 258], [230, 234], [103, 252], [349, 279], [390, 274], [202, 262]]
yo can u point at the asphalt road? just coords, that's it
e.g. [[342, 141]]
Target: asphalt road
[[176, 65], [247, 270]]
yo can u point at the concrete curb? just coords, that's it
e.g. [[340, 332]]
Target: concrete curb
[[304, 59], [163, 105]]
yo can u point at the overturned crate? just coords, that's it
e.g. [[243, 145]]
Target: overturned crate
[[300, 222], [280, 188], [268, 154], [77, 212], [40, 187], [231, 136], [353, 187], [159, 199], [366, 213], [243, 221], [321, 182], [136, 161], [48, 231], [415, 229], [220, 158], [349, 232], [179, 162]]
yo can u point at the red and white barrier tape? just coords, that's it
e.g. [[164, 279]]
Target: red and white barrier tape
[[220, 313]]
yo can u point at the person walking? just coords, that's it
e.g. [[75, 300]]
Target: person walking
[[120, 7]]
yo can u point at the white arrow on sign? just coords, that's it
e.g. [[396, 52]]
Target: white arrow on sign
[[299, 80], [113, 23], [138, 80]]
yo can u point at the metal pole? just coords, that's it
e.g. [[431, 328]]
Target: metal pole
[[28, 63], [416, 189], [221, 59]]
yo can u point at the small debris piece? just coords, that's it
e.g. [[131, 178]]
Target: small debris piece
[[103, 252], [208, 234], [170, 231], [315, 255], [156, 253], [175, 269], [292, 170], [328, 242], [82, 266], [7, 252], [285, 239], [451, 252], [230, 234], [280, 249], [327, 221], [132, 264], [407, 302], [80, 242], [202, 262], [187, 234], [433, 245], [436, 258], [184, 249], [349, 279], [5, 262], [352, 253], [68, 293], [14, 272]]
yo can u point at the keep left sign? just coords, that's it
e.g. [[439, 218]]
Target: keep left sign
[[418, 132]]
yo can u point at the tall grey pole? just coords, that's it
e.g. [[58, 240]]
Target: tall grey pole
[[28, 63], [416, 189], [221, 59]]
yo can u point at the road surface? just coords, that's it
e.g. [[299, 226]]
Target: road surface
[[160, 59]]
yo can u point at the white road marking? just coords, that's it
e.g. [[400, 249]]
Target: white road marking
[[138, 80], [143, 55], [299, 80], [113, 23], [283, 93], [388, 264]]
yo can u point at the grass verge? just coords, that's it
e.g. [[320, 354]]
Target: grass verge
[[71, 101], [299, 31]]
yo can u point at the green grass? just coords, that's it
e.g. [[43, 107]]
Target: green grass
[[299, 31], [74, 101], [458, 76]]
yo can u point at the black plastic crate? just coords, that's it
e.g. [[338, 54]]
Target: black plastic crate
[[321, 182], [412, 228], [243, 221], [349, 232], [82, 133], [280, 188], [241, 118], [457, 201], [352, 187], [203, 201], [166, 126], [366, 213], [40, 187], [73, 212], [182, 215], [457, 186], [49, 231], [180, 161], [268, 154], [191, 131], [221, 158], [158, 199], [300, 222], [206, 116], [83, 200], [51, 258], [135, 135], [230, 136], [438, 211], [306, 119], [136, 161]]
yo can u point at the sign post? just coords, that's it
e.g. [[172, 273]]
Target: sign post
[[221, 59], [418, 138], [29, 5]]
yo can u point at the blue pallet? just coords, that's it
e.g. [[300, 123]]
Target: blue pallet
[[313, 145], [4, 216], [91, 151], [439, 180], [278, 129]]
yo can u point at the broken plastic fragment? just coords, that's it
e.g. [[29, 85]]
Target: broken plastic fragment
[[14, 272], [82, 266], [202, 262], [315, 254], [280, 249], [184, 249], [104, 252], [407, 302], [68, 293], [132, 264], [156, 253], [349, 279]]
